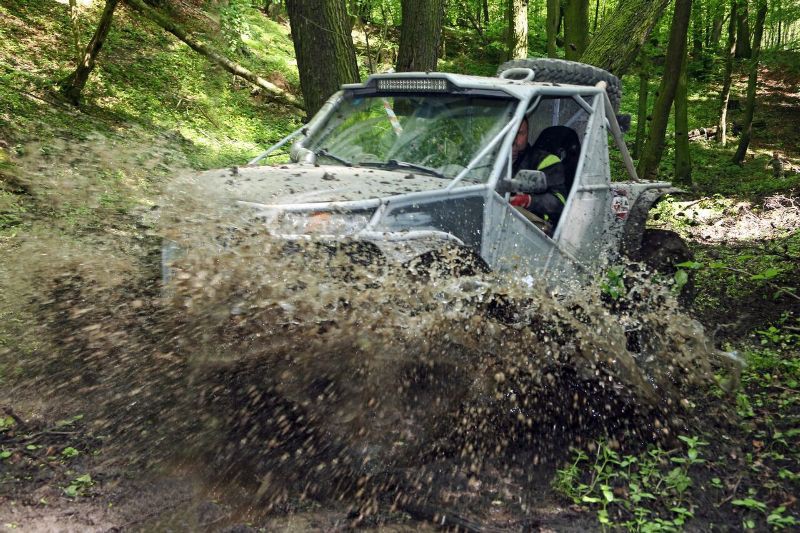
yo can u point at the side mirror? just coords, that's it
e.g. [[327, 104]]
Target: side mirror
[[529, 182]]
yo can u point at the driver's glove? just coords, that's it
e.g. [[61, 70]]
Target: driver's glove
[[521, 200]]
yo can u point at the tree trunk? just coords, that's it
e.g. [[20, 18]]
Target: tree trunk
[[485, 12], [420, 35], [622, 34], [234, 68], [716, 27], [553, 18], [683, 159], [596, 16], [653, 149], [517, 29], [74, 23], [641, 115], [73, 85], [323, 45], [743, 49], [730, 50], [752, 83], [576, 28], [697, 30]]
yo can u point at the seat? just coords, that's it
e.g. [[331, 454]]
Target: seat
[[564, 143]]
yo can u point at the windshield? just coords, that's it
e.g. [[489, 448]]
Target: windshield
[[438, 134]]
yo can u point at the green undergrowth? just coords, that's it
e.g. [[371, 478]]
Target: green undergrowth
[[739, 474], [145, 77], [649, 491]]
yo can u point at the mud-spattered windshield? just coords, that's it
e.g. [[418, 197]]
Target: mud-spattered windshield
[[432, 133]]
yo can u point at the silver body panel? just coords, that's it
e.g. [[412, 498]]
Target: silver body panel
[[592, 222]]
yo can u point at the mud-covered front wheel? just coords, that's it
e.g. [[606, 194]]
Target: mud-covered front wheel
[[662, 250]]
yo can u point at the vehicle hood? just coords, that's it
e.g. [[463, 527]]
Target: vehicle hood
[[297, 184]]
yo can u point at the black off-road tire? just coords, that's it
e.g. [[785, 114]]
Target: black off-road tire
[[569, 72], [660, 251]]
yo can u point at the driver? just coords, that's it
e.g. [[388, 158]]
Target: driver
[[547, 205]]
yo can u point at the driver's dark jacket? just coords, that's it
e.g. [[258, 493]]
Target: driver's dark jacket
[[546, 205]]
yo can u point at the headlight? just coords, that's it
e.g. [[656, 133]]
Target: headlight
[[407, 221], [319, 223]]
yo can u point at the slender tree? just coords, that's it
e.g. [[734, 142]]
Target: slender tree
[[653, 149], [420, 35], [517, 29], [697, 30], [683, 159], [72, 86], [752, 83], [717, 22], [622, 34], [323, 45], [596, 15], [576, 28], [730, 50], [641, 115], [743, 48], [553, 19], [74, 23]]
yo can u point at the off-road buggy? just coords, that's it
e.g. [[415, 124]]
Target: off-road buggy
[[411, 164], [414, 170]]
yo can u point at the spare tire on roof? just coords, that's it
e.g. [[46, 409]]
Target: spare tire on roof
[[569, 72]]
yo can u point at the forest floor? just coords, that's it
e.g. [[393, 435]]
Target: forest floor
[[78, 193]]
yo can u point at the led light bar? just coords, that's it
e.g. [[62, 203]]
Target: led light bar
[[411, 84]]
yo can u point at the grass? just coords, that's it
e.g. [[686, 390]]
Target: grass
[[144, 77], [150, 96]]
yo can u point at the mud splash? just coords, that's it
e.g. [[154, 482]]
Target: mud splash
[[296, 372]]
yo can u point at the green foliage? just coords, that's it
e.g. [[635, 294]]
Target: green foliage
[[775, 518], [614, 283], [68, 422], [778, 520], [79, 486], [12, 211], [6, 423], [233, 23], [635, 492], [69, 452], [783, 334], [712, 168]]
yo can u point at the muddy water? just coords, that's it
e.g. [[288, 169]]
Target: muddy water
[[297, 375], [281, 379]]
